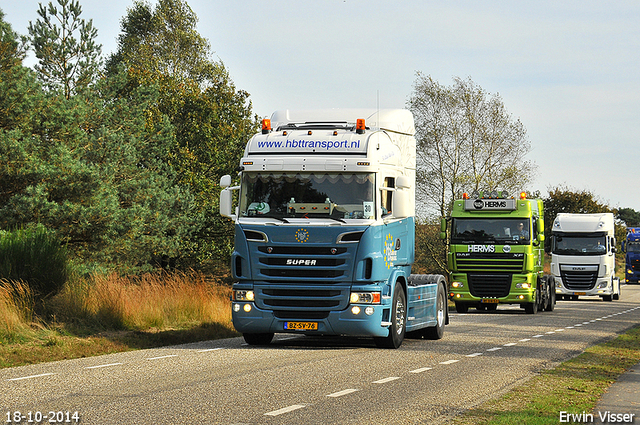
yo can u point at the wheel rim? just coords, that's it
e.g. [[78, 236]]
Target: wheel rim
[[440, 311], [399, 317]]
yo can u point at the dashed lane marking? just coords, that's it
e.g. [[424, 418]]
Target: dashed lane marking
[[103, 365], [385, 380], [422, 369], [343, 392], [162, 357], [285, 410], [30, 377]]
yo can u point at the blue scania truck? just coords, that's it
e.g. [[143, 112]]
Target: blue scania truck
[[325, 230], [631, 247]]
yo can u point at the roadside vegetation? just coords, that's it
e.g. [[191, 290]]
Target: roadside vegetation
[[111, 313]]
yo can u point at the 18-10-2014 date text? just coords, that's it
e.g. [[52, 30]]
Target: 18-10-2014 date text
[[36, 417]]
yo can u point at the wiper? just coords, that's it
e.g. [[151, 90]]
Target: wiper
[[276, 218], [337, 219]]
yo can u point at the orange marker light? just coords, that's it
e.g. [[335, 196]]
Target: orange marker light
[[523, 195], [360, 126], [465, 195], [266, 126]]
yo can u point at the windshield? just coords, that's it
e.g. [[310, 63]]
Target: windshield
[[579, 244], [633, 247], [308, 195], [491, 230]]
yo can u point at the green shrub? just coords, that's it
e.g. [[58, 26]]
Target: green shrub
[[35, 256]]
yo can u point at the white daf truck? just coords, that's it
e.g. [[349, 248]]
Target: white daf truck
[[583, 248]]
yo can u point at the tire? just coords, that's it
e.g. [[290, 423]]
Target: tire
[[551, 288], [258, 339], [437, 331], [462, 307], [532, 308], [398, 321]]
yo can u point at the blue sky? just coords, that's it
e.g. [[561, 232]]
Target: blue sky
[[568, 70]]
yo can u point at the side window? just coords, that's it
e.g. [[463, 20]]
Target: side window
[[386, 195], [534, 228]]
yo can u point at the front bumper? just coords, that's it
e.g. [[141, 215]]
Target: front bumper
[[602, 287], [343, 322]]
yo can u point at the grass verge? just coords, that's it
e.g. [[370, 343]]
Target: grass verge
[[574, 386]]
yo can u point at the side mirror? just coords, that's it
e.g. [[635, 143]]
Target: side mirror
[[225, 181], [400, 204], [403, 182], [443, 228], [226, 204]]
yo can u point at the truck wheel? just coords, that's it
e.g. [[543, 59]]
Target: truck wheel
[[532, 308], [398, 321], [462, 307], [437, 331], [551, 287], [258, 339]]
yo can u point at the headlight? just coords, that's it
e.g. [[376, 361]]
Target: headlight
[[603, 285], [365, 298], [243, 295], [523, 285], [457, 285]]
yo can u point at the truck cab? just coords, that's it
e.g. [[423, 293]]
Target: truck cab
[[325, 229], [496, 252], [631, 248], [583, 248]]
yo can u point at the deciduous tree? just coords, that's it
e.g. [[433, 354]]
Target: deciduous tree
[[212, 119], [466, 141]]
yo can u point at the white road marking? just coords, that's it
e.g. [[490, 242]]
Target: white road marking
[[525, 340], [31, 377], [474, 355], [343, 392], [422, 369], [385, 380], [162, 357], [537, 336], [449, 362], [511, 344], [550, 332], [103, 365], [209, 349], [494, 349], [559, 330], [285, 410]]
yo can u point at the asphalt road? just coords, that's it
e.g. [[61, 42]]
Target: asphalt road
[[316, 380]]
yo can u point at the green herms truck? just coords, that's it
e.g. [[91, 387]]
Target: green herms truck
[[496, 253]]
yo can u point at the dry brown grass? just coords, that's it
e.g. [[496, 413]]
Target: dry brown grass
[[112, 313], [156, 300]]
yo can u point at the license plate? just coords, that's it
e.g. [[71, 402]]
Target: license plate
[[579, 293], [490, 301], [301, 326]]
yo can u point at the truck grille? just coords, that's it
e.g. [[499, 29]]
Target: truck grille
[[302, 300], [508, 263], [579, 280], [489, 285], [321, 263]]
